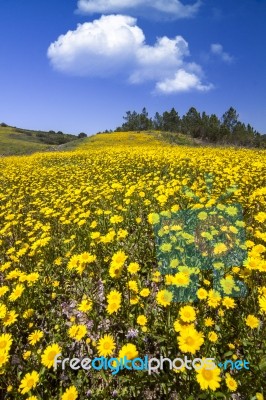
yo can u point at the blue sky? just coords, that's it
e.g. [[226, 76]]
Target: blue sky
[[78, 66]]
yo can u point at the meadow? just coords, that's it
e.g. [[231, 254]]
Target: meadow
[[17, 141], [98, 257]]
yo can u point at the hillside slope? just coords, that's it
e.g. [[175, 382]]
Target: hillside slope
[[16, 141]]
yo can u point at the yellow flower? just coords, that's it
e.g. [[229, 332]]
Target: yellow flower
[[218, 265], [153, 218], [29, 382], [219, 248], [221, 313], [168, 279], [262, 303], [119, 258], [106, 346], [230, 383], [35, 336], [260, 217], [202, 293], [181, 279], [28, 313], [4, 357], [26, 354], [70, 394], [252, 321], [187, 314], [113, 306], [177, 326], [115, 271], [259, 396], [3, 290], [214, 298], [166, 247], [164, 298], [212, 336], [116, 219], [227, 284], [141, 320], [202, 216], [228, 302], [231, 210], [87, 258], [133, 285], [156, 276], [190, 340], [208, 321], [133, 268], [77, 332], [10, 318], [129, 351], [49, 354], [144, 292], [85, 305], [114, 296], [16, 293], [134, 299], [209, 379], [3, 311]]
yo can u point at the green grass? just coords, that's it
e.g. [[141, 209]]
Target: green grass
[[15, 141], [176, 138]]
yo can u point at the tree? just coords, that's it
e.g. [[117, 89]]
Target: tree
[[144, 122], [230, 119], [157, 121], [171, 121], [213, 128], [82, 135], [191, 122], [132, 121]]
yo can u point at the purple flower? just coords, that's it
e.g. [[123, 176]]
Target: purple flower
[[132, 333]]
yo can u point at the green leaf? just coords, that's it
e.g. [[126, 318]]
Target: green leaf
[[262, 364], [220, 395], [103, 376], [203, 396], [228, 353]]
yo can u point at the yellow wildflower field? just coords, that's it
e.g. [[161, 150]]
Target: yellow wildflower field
[[82, 275]]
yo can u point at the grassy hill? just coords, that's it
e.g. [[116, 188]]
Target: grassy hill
[[16, 141]]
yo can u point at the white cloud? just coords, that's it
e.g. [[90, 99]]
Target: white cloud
[[218, 50], [114, 44], [183, 81], [173, 8], [97, 48]]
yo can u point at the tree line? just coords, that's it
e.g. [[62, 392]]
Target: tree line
[[225, 130]]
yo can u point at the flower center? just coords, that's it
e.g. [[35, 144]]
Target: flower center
[[189, 341], [207, 374], [30, 382]]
